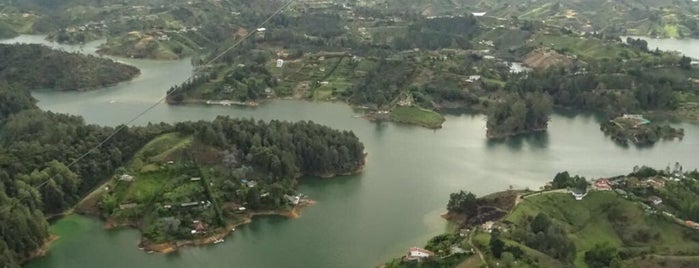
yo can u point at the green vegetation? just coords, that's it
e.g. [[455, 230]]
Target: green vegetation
[[639, 132], [513, 114], [418, 116], [37, 179], [606, 228], [38, 67]]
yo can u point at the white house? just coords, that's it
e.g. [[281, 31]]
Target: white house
[[478, 14], [473, 78], [578, 196], [126, 177], [419, 254], [280, 63]]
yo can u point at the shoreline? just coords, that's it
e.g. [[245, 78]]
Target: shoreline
[[41, 251], [220, 233]]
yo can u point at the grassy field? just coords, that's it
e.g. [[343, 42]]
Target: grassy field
[[588, 222], [418, 116]]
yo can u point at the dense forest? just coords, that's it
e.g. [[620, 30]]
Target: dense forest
[[514, 114], [38, 67]]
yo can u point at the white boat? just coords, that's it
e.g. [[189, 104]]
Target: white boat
[[218, 241]]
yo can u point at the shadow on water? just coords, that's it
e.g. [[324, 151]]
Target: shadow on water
[[536, 141]]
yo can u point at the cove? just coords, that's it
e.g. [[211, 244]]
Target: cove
[[362, 220]]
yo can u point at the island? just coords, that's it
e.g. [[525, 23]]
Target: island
[[39, 67], [638, 130], [189, 183], [644, 219]]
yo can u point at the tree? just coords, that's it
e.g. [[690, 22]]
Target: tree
[[601, 255], [540, 223], [561, 180], [685, 62], [496, 245], [462, 203]]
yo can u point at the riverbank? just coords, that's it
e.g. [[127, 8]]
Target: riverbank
[[221, 233], [41, 251]]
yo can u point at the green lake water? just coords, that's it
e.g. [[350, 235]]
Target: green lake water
[[362, 220]]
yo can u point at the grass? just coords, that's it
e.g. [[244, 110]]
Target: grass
[[418, 116], [162, 147], [587, 222]]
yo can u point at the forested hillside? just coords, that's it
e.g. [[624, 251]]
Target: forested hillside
[[36, 66], [37, 149]]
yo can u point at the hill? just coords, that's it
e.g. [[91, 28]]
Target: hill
[[38, 67]]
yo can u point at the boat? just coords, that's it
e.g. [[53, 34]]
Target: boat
[[219, 241], [233, 230]]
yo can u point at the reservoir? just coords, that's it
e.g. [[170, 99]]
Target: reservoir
[[358, 221]]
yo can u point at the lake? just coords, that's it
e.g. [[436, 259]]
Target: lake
[[362, 220]]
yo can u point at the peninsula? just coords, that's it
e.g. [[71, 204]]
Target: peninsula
[[643, 219], [183, 184]]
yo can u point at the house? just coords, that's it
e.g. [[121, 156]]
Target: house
[[656, 182], [464, 232], [602, 185], [692, 224], [251, 183], [198, 227], [577, 194], [294, 200], [640, 120], [488, 226], [418, 254], [655, 200], [473, 78], [195, 179], [126, 177], [478, 14], [280, 63]]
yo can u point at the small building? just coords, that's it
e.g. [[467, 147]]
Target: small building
[[294, 200], [198, 227], [280, 63], [578, 195], [473, 78], [464, 232], [126, 177], [251, 183], [602, 185], [692, 224], [655, 200], [488, 226], [656, 183], [418, 254], [195, 179], [478, 14]]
